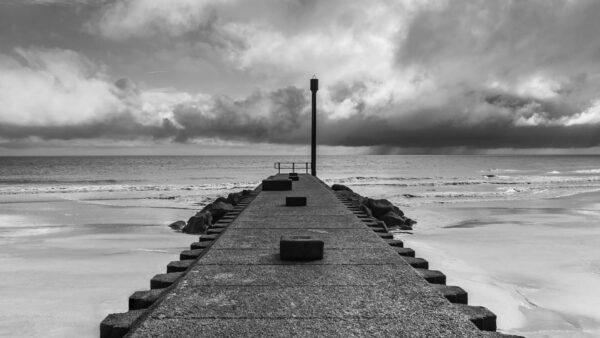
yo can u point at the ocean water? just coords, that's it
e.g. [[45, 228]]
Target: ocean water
[[519, 233]]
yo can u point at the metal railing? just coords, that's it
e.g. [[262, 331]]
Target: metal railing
[[293, 166]]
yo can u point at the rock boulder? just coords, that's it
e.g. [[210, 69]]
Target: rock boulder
[[198, 223], [234, 198], [340, 187], [178, 225], [217, 209], [393, 220], [382, 207], [366, 210]]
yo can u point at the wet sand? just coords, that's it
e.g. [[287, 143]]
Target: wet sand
[[65, 264], [535, 263]]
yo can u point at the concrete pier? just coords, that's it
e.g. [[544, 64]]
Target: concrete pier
[[366, 285]]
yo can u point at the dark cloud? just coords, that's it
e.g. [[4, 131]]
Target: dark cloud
[[120, 127], [286, 120]]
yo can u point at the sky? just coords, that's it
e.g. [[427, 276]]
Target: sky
[[232, 76]]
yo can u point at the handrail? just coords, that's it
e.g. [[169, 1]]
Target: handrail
[[292, 165]]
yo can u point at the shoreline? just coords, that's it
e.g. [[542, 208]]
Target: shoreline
[[81, 270], [540, 260]]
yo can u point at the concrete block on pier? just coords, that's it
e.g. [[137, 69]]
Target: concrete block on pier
[[276, 185], [190, 254], [432, 276], [199, 245], [215, 231], [395, 243], [483, 318], [179, 266], [143, 299], [300, 248], [116, 325], [207, 238], [454, 294], [417, 263], [380, 230], [406, 252], [295, 201], [164, 280]]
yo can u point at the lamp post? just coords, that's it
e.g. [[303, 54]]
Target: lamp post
[[314, 86]]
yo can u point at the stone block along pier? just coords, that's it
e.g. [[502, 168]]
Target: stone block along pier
[[233, 283]]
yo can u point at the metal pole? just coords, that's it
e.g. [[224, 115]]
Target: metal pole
[[314, 86]]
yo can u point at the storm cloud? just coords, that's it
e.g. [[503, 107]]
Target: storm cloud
[[435, 74]]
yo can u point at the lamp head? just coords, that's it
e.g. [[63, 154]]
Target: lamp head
[[314, 84]]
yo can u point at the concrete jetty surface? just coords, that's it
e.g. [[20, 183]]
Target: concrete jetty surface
[[361, 288]]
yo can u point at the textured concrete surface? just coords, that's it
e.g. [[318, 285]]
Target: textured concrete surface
[[361, 287]]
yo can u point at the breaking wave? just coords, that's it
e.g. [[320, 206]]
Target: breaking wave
[[415, 191], [62, 188], [457, 181], [40, 180], [587, 171]]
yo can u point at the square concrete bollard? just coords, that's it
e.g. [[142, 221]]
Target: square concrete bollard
[[454, 294], [417, 263], [483, 318], [295, 201], [118, 324], [179, 266], [300, 248], [143, 299], [276, 185]]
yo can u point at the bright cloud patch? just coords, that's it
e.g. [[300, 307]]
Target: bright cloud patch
[[53, 87]]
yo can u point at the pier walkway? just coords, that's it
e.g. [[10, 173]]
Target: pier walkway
[[361, 287]]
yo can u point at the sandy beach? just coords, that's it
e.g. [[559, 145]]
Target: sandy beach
[[67, 264], [535, 263]]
